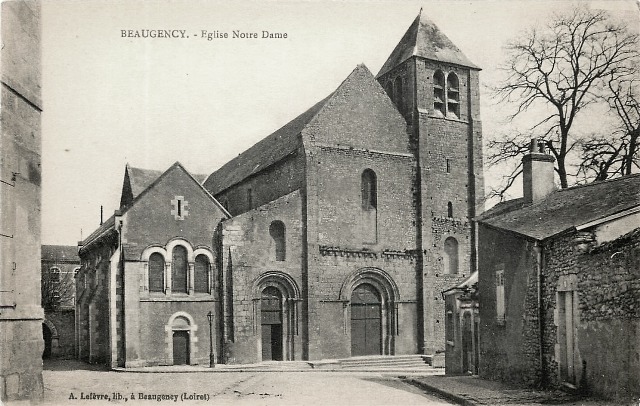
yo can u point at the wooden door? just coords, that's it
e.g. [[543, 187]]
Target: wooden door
[[271, 324], [366, 321], [180, 347]]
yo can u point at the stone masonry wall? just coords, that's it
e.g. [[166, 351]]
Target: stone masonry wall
[[21, 314], [249, 252], [608, 291]]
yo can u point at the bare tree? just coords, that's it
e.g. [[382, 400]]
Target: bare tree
[[617, 154], [562, 68], [57, 288]]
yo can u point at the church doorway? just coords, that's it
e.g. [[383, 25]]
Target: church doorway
[[47, 335], [271, 324], [366, 321], [180, 347]]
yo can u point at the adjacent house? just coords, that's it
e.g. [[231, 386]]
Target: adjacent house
[[60, 264], [559, 277], [462, 324]]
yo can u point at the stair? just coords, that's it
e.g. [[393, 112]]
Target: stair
[[391, 362]]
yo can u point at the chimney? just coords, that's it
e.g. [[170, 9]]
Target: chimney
[[537, 170]]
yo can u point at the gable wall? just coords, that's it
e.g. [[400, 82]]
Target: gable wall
[[150, 221]]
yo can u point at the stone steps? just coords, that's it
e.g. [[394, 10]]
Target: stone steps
[[386, 362]]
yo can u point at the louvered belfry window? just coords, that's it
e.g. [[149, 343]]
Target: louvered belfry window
[[180, 272], [156, 273], [201, 274]]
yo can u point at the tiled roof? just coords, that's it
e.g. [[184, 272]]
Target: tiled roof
[[263, 154], [141, 179], [106, 226], [60, 253], [424, 39], [566, 209]]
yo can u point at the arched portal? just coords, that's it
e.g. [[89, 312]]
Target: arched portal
[[50, 336], [370, 296], [47, 336], [271, 324], [366, 321], [181, 348], [276, 297]]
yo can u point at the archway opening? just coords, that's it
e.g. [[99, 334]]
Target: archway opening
[[181, 340], [366, 321], [271, 324], [47, 335]]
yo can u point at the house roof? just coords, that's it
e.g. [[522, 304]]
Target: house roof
[[424, 39], [60, 253], [566, 209], [263, 154], [464, 285]]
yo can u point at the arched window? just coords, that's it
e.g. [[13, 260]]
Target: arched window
[[201, 274], [453, 95], [438, 93], [55, 274], [277, 232], [180, 271], [451, 255], [398, 96], [450, 210], [369, 190], [156, 272]]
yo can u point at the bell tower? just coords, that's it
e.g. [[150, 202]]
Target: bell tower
[[436, 88]]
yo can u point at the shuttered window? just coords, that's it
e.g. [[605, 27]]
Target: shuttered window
[[156, 273], [180, 272], [201, 274]]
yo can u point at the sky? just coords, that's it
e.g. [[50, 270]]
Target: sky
[[110, 100]]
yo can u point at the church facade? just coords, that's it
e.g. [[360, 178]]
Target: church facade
[[332, 237]]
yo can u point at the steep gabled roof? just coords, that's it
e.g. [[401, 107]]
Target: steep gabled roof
[[136, 180], [263, 154], [269, 150], [136, 184], [424, 39], [566, 209], [60, 253]]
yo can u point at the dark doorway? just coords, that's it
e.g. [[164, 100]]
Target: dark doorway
[[271, 324], [366, 321], [48, 337], [180, 347], [467, 344]]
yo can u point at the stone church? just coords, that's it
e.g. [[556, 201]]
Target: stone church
[[330, 238]]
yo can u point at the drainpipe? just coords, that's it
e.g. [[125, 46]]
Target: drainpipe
[[538, 251]]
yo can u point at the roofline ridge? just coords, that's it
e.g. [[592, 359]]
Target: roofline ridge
[[600, 182]]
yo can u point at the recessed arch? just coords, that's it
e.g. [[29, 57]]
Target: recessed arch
[[180, 241], [376, 276], [377, 283], [276, 296], [451, 260], [181, 335]]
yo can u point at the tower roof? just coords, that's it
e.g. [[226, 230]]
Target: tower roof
[[424, 39]]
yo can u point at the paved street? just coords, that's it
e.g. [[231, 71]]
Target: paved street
[[64, 384]]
